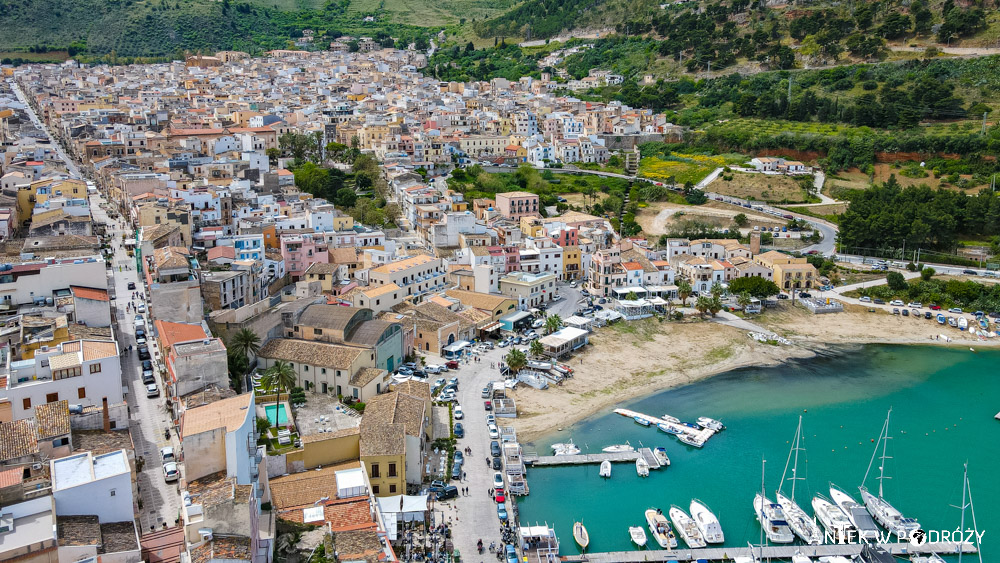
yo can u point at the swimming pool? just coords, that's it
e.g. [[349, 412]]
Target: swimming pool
[[269, 414]]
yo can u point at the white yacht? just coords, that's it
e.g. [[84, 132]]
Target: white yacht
[[710, 423], [799, 521], [659, 526], [707, 522], [884, 513], [641, 467], [859, 517], [686, 528], [626, 447], [569, 448], [772, 519], [838, 525]]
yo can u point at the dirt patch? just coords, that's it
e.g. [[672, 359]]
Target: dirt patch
[[661, 217], [803, 156], [884, 171], [830, 209], [761, 187], [577, 199]]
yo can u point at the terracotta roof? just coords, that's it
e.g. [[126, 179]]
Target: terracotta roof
[[19, 439], [53, 419], [222, 252], [227, 413], [319, 354], [377, 291], [364, 376], [401, 265], [98, 349], [93, 293], [303, 489], [322, 268], [171, 333], [11, 477], [170, 257], [222, 547], [358, 545]]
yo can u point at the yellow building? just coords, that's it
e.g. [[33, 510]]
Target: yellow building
[[342, 222], [496, 305], [572, 263], [393, 434], [789, 272], [38, 331], [153, 213], [325, 274], [321, 450], [531, 226], [41, 191]]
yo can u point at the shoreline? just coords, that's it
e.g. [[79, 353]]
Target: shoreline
[[594, 389]]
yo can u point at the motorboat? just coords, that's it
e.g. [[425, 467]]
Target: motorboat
[[691, 425], [884, 513], [963, 323], [659, 526], [638, 535], [838, 526], [772, 519], [626, 447], [940, 319], [690, 440], [686, 528], [931, 558], [668, 429], [641, 421], [707, 522], [641, 467], [799, 521], [669, 418], [711, 423], [952, 322], [862, 521], [580, 535], [569, 448], [605, 468], [799, 558], [660, 453]]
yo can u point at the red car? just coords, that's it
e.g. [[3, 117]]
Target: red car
[[935, 307], [488, 405], [451, 364], [499, 496]]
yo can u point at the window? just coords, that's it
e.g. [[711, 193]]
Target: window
[[375, 489], [81, 393], [392, 488], [52, 397], [392, 470], [95, 368], [317, 331], [112, 492], [375, 471], [26, 403]]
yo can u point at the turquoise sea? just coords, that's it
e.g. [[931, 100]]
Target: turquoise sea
[[943, 402]]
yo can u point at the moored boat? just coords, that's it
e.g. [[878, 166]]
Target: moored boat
[[884, 513], [626, 447], [660, 453], [772, 519], [711, 423], [580, 535], [799, 521], [691, 425], [659, 526], [668, 429], [690, 440], [686, 528], [669, 418], [638, 535], [641, 467], [859, 517], [838, 526], [569, 448], [707, 522], [640, 421], [605, 470], [963, 323]]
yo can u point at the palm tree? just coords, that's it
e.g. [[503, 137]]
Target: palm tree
[[743, 300], [716, 289], [684, 291], [279, 377], [714, 305], [516, 360], [631, 296], [703, 304], [536, 349], [553, 323], [244, 344]]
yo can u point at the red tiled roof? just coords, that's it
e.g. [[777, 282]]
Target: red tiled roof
[[11, 477], [631, 265], [172, 333], [89, 293], [222, 252]]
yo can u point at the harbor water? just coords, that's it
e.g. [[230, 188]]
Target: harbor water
[[943, 405]]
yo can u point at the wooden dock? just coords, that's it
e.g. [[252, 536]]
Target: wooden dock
[[699, 435], [584, 459], [769, 552]]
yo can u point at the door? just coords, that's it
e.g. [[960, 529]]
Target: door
[[389, 364]]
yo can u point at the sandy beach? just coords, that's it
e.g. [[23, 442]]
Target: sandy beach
[[630, 360]]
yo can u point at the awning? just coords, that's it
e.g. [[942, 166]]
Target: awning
[[492, 326]]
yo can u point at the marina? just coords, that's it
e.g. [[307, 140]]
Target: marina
[[646, 454], [686, 432], [762, 553]]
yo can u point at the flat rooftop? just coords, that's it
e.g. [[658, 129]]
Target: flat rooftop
[[84, 468], [334, 421]]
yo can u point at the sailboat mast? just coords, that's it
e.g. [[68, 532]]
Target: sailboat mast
[[885, 441], [961, 526], [795, 468]]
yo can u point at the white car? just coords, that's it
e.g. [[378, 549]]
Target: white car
[[167, 455], [490, 419], [142, 307], [459, 415], [498, 480], [572, 283], [140, 322], [432, 368], [494, 432], [152, 390], [865, 299], [171, 472], [896, 303]]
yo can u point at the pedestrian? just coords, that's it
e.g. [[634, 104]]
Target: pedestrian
[[465, 475]]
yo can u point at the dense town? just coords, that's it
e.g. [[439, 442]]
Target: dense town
[[201, 361]]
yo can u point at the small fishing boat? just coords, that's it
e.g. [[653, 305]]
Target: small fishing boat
[[640, 421], [690, 440], [580, 535], [963, 323], [940, 319], [668, 429], [638, 535], [711, 423], [707, 522], [691, 425], [984, 324], [799, 558], [569, 448], [605, 468], [626, 447], [659, 526], [952, 323], [669, 418], [660, 453], [686, 528], [641, 467]]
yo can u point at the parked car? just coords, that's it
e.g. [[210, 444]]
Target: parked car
[[865, 299], [504, 344], [491, 419], [497, 479], [167, 455], [895, 311], [495, 448], [152, 390], [452, 364], [494, 431], [879, 301], [432, 368], [171, 472], [955, 310], [459, 430], [438, 382], [935, 307], [459, 415], [141, 307], [486, 392], [456, 471], [148, 377], [915, 305], [906, 312], [488, 405], [804, 295], [499, 496], [970, 272], [928, 314], [782, 296], [450, 491], [403, 370], [436, 486], [131, 285], [510, 553], [502, 512], [143, 352], [497, 464], [896, 303], [459, 456]]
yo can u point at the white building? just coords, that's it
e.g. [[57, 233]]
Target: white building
[[37, 280], [85, 484]]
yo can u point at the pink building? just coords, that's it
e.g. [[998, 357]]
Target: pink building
[[300, 251], [566, 237], [514, 205], [510, 256]]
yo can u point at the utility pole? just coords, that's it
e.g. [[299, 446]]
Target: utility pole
[[984, 123]]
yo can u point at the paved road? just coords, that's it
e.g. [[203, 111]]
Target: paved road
[[568, 304], [148, 417], [939, 268], [74, 172]]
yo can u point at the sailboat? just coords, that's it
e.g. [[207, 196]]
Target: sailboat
[[838, 525], [967, 492], [770, 516], [641, 467], [605, 470], [686, 528], [580, 535], [707, 522], [797, 519], [884, 513], [659, 526], [858, 515]]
